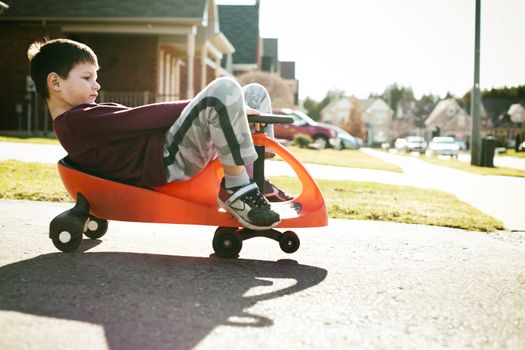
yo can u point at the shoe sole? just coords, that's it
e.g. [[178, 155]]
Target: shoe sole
[[243, 222]]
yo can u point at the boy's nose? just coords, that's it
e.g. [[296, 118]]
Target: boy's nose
[[96, 86]]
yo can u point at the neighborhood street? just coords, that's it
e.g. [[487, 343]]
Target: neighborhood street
[[351, 285]]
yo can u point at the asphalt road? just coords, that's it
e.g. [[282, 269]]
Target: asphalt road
[[351, 285]]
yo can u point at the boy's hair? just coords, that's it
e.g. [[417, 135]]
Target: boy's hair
[[58, 56]]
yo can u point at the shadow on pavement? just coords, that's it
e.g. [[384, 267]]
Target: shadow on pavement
[[148, 301]]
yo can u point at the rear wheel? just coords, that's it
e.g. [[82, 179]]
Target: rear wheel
[[67, 242], [96, 227]]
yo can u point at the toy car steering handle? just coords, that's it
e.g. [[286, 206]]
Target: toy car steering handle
[[264, 118], [268, 118]]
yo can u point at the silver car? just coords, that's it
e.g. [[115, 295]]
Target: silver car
[[443, 146]]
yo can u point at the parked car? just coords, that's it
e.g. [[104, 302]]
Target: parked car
[[462, 145], [346, 141], [400, 144], [521, 147], [415, 144], [444, 146], [324, 135]]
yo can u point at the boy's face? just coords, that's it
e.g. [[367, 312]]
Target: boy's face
[[80, 86]]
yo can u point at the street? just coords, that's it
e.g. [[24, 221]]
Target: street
[[353, 284]]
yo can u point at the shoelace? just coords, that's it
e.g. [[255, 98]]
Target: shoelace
[[256, 200]]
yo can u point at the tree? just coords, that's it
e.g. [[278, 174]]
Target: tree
[[354, 123], [395, 93], [314, 108], [279, 91], [424, 106]]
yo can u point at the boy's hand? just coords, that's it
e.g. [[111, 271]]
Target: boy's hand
[[250, 111]]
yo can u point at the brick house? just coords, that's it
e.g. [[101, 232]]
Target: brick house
[[148, 51], [449, 119]]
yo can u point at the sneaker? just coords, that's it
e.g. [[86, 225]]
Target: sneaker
[[273, 194], [248, 206]]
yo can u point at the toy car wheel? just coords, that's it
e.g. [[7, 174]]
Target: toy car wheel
[[67, 242], [289, 242], [227, 242], [96, 227]]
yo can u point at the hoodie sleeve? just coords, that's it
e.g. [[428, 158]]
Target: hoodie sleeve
[[96, 123]]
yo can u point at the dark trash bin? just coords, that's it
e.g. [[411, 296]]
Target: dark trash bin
[[488, 147]]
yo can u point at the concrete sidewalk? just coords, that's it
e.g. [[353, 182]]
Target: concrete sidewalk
[[497, 196]]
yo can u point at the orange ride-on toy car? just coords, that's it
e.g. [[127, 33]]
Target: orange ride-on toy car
[[193, 201]]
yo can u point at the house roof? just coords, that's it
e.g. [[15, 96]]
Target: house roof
[[443, 110], [103, 9], [240, 24], [288, 70]]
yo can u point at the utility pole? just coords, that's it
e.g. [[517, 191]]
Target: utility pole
[[475, 99]]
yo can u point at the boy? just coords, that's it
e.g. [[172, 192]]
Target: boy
[[152, 144]]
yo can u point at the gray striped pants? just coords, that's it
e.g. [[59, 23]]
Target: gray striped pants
[[214, 124]]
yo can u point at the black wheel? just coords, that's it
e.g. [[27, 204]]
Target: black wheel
[[227, 242], [289, 242], [67, 242], [96, 227], [322, 141]]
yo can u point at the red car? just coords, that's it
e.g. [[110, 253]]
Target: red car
[[324, 135]]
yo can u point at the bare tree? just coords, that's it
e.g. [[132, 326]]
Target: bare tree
[[354, 123], [280, 92]]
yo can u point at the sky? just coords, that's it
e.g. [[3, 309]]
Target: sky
[[362, 46]]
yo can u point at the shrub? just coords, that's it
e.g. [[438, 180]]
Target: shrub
[[302, 140]]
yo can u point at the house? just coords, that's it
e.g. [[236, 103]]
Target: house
[[449, 119], [270, 58], [240, 23], [516, 113], [148, 51], [337, 111], [287, 72], [376, 115]]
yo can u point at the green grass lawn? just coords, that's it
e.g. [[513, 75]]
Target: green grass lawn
[[345, 158], [512, 153], [29, 139], [456, 164], [345, 199]]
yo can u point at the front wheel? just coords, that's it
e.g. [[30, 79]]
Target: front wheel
[[289, 242], [227, 242]]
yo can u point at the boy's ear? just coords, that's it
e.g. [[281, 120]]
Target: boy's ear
[[53, 81]]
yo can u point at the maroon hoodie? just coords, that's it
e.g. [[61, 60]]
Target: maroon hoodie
[[117, 141]]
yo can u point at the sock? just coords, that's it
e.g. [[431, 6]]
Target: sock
[[236, 180]]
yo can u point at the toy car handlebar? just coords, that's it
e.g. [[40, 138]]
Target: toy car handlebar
[[268, 118]]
